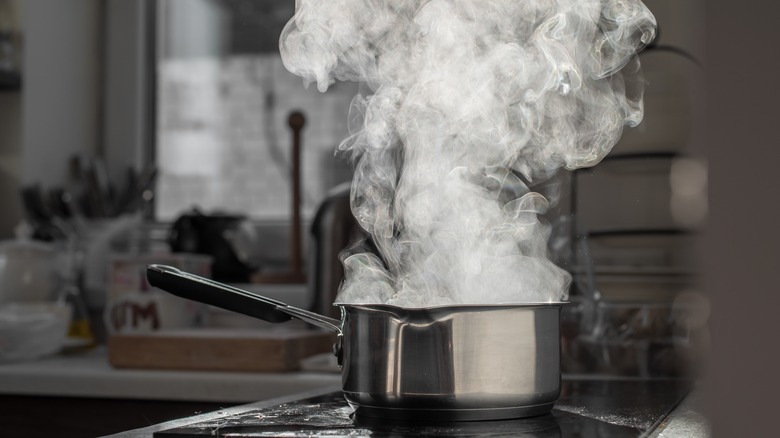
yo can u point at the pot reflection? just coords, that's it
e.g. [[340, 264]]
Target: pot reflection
[[543, 426]]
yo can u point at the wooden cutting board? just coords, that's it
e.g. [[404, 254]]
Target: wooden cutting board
[[218, 349]]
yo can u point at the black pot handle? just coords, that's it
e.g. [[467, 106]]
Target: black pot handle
[[203, 290], [206, 291]]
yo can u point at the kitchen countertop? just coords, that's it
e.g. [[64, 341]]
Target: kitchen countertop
[[88, 374], [587, 408]]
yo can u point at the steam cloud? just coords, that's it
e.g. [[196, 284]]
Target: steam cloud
[[468, 102]]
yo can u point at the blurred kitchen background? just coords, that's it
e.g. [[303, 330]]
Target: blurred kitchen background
[[138, 131]]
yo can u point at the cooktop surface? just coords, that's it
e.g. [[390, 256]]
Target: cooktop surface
[[586, 408]]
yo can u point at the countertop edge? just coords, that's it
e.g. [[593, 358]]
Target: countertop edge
[[90, 376], [685, 420]]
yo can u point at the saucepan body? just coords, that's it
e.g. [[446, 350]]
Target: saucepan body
[[451, 363], [448, 363]]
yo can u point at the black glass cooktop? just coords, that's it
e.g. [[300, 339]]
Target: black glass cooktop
[[587, 408]]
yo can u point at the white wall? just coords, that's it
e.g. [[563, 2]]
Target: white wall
[[127, 83], [196, 29], [126, 97], [60, 96]]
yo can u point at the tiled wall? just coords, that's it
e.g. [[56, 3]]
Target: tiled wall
[[224, 140]]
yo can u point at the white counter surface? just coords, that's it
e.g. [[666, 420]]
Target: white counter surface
[[89, 374]]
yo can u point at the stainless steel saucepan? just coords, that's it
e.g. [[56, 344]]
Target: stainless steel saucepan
[[465, 362]]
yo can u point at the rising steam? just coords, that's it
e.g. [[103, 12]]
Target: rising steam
[[468, 102]]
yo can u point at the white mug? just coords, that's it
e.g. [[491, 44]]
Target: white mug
[[134, 306]]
